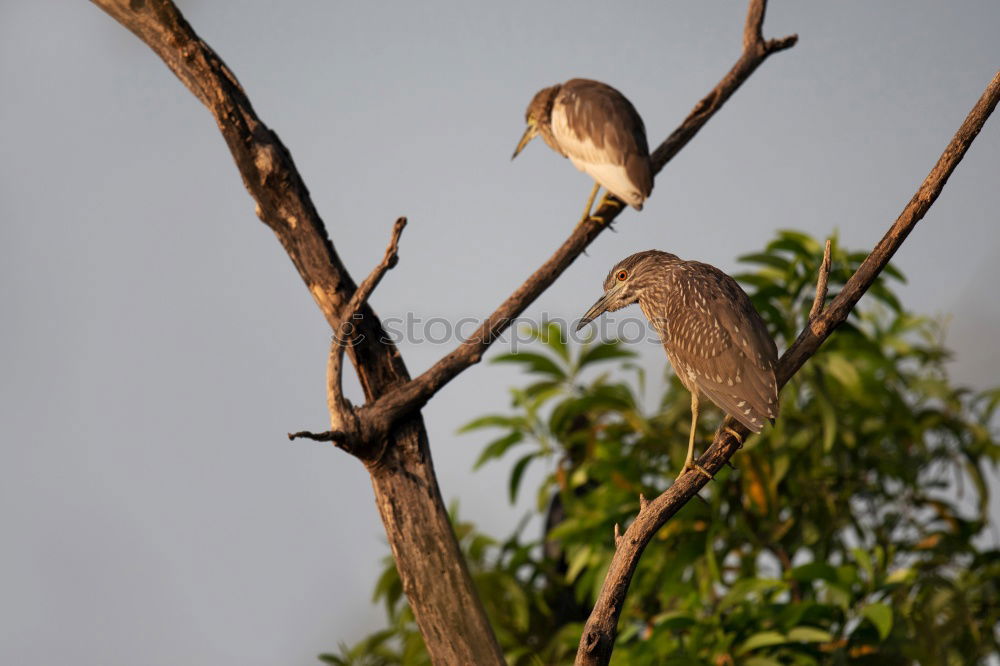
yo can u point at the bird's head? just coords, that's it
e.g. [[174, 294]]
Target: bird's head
[[537, 116], [627, 281]]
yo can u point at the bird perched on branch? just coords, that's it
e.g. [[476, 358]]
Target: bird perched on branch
[[600, 132], [715, 340]]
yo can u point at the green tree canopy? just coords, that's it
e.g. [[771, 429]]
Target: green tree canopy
[[843, 536]]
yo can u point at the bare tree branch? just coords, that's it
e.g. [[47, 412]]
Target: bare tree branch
[[821, 282], [813, 336], [599, 634], [753, 27], [345, 429], [328, 436], [342, 417], [416, 393]]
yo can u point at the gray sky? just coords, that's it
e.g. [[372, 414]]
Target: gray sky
[[157, 343]]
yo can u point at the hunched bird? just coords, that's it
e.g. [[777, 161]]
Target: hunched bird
[[600, 132], [715, 339]]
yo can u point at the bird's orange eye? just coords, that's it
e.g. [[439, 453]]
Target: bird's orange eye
[[622, 274]]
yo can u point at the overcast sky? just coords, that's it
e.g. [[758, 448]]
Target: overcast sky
[[157, 343]]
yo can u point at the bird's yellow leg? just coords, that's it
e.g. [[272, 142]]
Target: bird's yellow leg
[[607, 200], [590, 204], [610, 200], [689, 462]]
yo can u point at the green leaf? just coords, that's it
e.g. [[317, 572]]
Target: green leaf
[[800, 245], [605, 351], [772, 260], [814, 571], [388, 587], [498, 447], [754, 280], [674, 621], [881, 292], [809, 245], [843, 370], [748, 587], [536, 363], [879, 615], [894, 272], [864, 560], [847, 575], [489, 421], [552, 335], [579, 476], [902, 575], [829, 419], [578, 562], [544, 389], [806, 634], [517, 473], [759, 640], [760, 661]]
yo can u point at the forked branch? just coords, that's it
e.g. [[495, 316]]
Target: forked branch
[[599, 634], [345, 428], [344, 332]]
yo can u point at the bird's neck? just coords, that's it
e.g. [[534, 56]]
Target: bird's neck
[[546, 132], [655, 319], [654, 296]]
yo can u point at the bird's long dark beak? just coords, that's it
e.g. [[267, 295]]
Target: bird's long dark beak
[[528, 135], [596, 310]]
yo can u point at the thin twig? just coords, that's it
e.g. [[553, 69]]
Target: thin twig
[[821, 283], [343, 333], [599, 634], [389, 260], [328, 436]]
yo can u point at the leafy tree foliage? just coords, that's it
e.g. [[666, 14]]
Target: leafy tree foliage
[[849, 533]]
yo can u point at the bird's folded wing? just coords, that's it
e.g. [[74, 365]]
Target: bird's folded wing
[[717, 335], [598, 125]]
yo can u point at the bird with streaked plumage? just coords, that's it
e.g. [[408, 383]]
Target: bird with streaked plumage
[[600, 132], [715, 339]]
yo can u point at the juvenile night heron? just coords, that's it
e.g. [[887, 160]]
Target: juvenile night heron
[[715, 340], [600, 132]]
